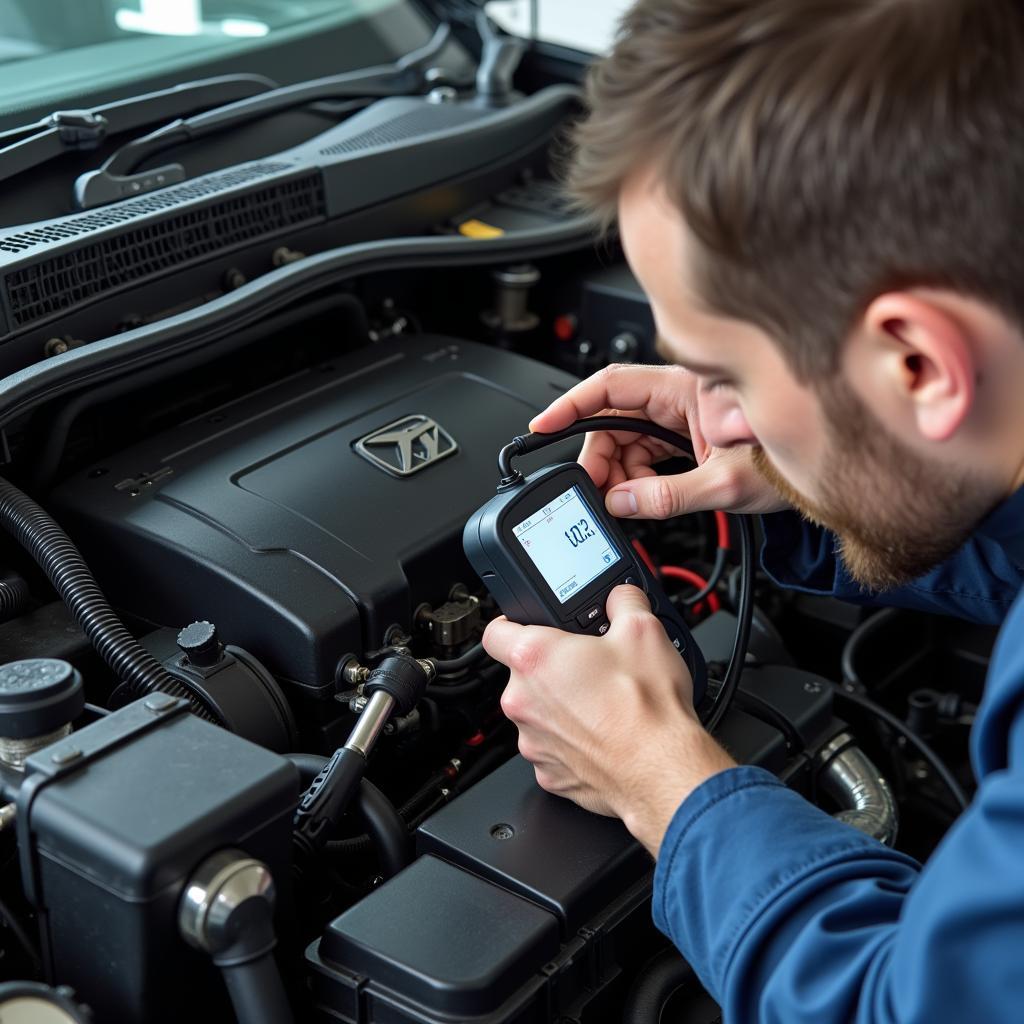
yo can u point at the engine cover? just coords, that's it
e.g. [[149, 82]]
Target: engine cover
[[308, 517]]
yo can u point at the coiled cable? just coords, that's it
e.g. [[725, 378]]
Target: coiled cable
[[55, 553], [14, 596]]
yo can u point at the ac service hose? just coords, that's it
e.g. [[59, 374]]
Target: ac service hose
[[526, 443], [55, 553]]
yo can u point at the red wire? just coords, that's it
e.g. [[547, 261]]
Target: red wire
[[645, 555], [677, 572], [722, 521]]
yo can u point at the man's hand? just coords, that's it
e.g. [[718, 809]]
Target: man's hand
[[608, 721], [623, 463]]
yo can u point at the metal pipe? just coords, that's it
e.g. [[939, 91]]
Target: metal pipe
[[370, 723], [849, 776]]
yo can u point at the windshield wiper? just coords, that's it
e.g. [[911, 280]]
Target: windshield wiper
[[116, 180], [66, 131]]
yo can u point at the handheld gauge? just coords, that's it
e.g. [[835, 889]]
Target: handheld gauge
[[549, 553]]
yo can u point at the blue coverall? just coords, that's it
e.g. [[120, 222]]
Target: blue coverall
[[789, 916]]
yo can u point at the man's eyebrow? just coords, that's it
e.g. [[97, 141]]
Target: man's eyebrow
[[699, 368], [696, 366]]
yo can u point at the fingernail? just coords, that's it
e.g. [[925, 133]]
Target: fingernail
[[622, 503]]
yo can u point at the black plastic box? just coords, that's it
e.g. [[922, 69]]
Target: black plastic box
[[114, 835], [508, 830], [442, 939], [523, 907]]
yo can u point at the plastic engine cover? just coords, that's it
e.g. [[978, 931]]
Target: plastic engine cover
[[265, 518]]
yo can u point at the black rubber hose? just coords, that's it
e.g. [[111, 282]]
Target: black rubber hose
[[256, 991], [309, 765], [385, 828], [51, 548], [470, 657], [864, 632], [455, 691], [14, 596], [657, 983]]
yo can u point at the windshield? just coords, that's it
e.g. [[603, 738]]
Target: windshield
[[587, 25], [58, 52]]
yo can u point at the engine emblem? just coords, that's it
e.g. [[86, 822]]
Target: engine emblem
[[407, 445]]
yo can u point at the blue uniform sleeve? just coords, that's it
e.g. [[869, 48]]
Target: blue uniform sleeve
[[790, 916], [979, 583]]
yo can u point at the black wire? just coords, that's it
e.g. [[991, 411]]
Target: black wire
[[721, 560], [442, 692], [525, 443], [470, 657], [757, 707], [744, 618], [863, 632], [933, 759]]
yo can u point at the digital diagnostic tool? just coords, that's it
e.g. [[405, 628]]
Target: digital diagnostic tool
[[550, 553]]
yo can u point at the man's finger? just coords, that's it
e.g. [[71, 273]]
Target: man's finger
[[599, 450], [625, 386], [500, 637], [521, 648], [662, 497]]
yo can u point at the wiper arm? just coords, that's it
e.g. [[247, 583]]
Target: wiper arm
[[115, 180], [66, 131]]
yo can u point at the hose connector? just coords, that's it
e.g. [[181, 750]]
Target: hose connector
[[849, 776], [509, 475]]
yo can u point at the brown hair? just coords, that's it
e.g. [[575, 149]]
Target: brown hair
[[821, 152]]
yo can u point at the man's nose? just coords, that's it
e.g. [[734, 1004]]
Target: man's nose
[[722, 421]]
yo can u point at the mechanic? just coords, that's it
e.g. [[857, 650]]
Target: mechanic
[[823, 201]]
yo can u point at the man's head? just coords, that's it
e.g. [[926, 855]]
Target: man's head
[[821, 200]]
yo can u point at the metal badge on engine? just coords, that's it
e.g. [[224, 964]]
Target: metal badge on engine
[[407, 445]]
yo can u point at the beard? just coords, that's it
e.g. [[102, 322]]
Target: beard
[[895, 513]]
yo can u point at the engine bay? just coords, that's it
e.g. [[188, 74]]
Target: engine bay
[[245, 419]]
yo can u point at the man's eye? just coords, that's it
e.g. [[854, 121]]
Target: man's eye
[[716, 384]]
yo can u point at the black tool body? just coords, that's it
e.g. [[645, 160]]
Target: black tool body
[[550, 553]]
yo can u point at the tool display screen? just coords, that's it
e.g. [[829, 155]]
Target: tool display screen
[[564, 540]]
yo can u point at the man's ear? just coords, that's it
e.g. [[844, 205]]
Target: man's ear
[[915, 360]]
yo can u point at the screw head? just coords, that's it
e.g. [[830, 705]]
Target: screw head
[[502, 831], [55, 347]]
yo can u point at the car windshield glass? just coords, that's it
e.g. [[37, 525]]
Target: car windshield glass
[[52, 53], [587, 25]]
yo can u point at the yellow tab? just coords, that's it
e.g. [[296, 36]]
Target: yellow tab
[[478, 229]]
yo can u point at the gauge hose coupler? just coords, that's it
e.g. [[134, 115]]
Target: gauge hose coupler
[[395, 686]]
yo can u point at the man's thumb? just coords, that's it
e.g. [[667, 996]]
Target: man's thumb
[[625, 599], [657, 497]]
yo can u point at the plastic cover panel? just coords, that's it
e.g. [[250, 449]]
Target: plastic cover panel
[[269, 523], [443, 938], [604, 858], [88, 271]]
